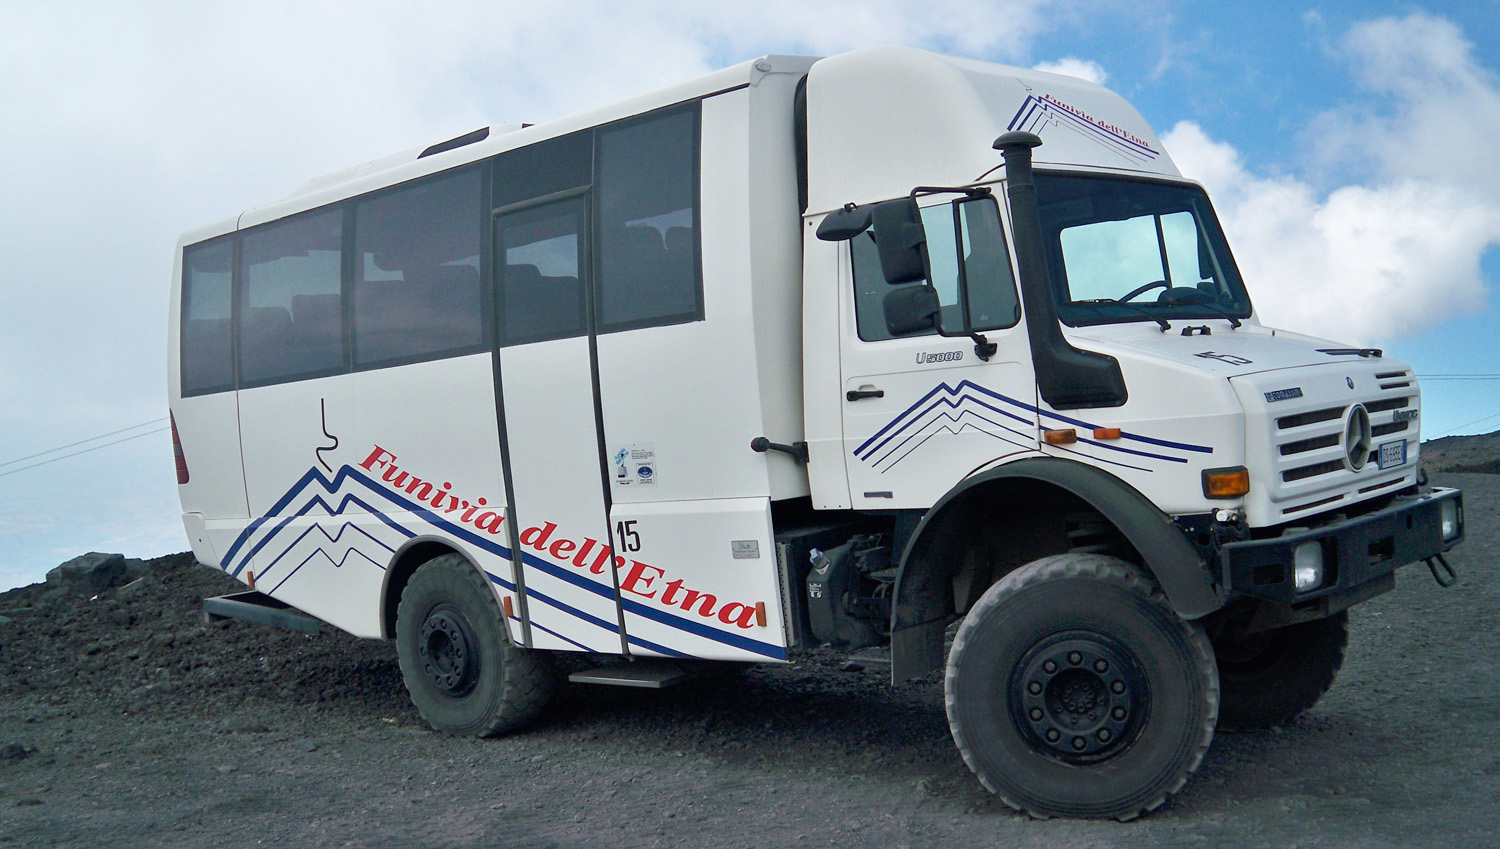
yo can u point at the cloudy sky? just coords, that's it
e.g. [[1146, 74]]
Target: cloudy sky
[[1351, 148]]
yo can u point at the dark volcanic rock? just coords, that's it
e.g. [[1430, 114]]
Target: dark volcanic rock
[[13, 752], [144, 728], [89, 574]]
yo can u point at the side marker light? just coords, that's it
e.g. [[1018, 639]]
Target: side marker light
[[1226, 483], [1060, 437], [1106, 433]]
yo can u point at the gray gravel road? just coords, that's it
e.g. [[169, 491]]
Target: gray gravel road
[[123, 722]]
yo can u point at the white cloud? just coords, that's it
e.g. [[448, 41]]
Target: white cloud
[[126, 124], [1398, 250], [1436, 114], [1084, 69]]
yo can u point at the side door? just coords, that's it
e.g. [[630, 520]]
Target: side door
[[922, 410], [547, 380]]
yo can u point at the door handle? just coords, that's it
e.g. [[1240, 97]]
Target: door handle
[[856, 394]]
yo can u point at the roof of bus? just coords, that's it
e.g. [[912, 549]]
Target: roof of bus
[[409, 164], [885, 119], [881, 120]]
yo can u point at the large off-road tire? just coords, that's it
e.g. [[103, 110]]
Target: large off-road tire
[[1073, 689], [463, 673], [1271, 677]]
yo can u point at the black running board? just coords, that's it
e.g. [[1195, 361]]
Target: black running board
[[652, 675], [253, 606]]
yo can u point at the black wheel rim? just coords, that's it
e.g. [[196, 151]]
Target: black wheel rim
[[447, 648], [1079, 697]]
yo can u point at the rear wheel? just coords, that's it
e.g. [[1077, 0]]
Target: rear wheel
[[1271, 677], [1074, 689], [462, 671]]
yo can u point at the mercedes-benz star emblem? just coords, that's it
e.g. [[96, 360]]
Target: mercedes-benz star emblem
[[1357, 437]]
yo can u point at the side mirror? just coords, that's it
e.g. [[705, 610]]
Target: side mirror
[[911, 309], [901, 240], [841, 225]]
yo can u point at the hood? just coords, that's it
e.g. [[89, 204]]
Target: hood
[[1224, 351]]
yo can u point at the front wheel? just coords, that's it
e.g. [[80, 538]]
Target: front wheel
[[462, 671], [1074, 689], [1272, 677]]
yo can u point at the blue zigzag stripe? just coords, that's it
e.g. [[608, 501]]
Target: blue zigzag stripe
[[421, 510], [965, 392], [945, 429], [1035, 109], [337, 565], [333, 539]]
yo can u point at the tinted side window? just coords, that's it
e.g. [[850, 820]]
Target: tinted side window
[[416, 271], [541, 290], [647, 192], [206, 340], [966, 234], [993, 301], [544, 168], [870, 289], [290, 316]]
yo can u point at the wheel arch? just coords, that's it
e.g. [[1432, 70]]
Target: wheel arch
[[404, 563], [923, 596]]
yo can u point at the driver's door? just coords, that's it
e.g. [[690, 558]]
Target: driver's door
[[922, 410]]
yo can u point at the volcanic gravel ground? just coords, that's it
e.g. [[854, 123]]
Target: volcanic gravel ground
[[125, 721]]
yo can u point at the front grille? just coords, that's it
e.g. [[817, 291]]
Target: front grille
[[1310, 467], [1304, 472], [1310, 505], [1399, 380], [1304, 445], [1313, 417], [1379, 486]]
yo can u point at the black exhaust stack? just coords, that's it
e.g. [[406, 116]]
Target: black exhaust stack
[[1067, 378]]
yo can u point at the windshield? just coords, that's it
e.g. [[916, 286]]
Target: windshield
[[1131, 250]]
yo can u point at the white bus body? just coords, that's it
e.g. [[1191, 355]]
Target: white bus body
[[548, 349]]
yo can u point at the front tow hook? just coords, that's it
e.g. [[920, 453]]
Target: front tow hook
[[1441, 571]]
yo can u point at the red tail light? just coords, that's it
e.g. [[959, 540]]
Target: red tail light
[[182, 472]]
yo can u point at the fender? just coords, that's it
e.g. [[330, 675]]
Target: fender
[[410, 557], [920, 609]]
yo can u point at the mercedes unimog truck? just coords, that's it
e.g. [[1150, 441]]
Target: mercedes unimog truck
[[886, 351]]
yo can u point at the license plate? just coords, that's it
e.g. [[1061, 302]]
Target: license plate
[[1393, 454]]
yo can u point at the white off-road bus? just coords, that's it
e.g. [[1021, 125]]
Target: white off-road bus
[[805, 352]]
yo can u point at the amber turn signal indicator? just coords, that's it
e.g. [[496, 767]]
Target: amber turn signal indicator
[[1106, 433], [1060, 437], [1226, 483]]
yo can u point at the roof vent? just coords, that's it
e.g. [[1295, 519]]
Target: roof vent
[[478, 135]]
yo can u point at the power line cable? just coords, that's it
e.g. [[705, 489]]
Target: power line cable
[[86, 450], [81, 442], [1470, 424]]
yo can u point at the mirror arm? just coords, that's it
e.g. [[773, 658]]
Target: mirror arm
[[983, 348]]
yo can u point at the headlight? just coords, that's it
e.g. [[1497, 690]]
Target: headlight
[[1450, 519], [1307, 566]]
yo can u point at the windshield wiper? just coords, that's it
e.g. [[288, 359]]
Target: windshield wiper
[[1098, 302], [1193, 302]]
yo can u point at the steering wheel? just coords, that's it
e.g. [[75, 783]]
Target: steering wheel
[[1140, 290]]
